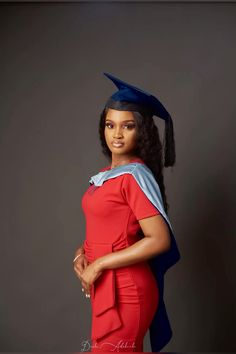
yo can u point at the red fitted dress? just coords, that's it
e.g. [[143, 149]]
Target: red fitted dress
[[124, 300]]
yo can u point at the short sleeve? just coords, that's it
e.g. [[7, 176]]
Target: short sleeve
[[137, 199]]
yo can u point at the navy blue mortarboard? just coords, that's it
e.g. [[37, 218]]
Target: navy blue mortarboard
[[131, 98], [132, 94]]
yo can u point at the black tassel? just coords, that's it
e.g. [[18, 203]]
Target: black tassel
[[169, 143]]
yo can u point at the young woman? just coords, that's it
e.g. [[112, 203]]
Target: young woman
[[129, 241]]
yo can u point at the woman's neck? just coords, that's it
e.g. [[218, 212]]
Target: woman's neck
[[126, 161]]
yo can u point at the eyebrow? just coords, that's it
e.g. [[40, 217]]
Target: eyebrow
[[126, 120]]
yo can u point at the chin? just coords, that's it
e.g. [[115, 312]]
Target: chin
[[114, 149]]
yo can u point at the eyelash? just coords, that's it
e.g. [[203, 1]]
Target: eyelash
[[130, 126]]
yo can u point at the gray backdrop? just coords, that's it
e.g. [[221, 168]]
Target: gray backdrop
[[52, 93]]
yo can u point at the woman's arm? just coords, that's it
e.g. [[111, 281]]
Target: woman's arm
[[156, 241]]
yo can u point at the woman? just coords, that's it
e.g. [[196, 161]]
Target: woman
[[129, 241]]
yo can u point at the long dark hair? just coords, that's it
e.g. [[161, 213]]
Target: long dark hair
[[149, 147]]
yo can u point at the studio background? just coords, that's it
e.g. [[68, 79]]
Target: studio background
[[52, 93]]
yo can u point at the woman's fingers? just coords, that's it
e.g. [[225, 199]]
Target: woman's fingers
[[85, 288], [79, 266], [86, 263]]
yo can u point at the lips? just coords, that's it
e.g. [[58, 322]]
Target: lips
[[117, 143]]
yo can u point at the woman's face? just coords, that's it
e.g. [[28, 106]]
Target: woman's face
[[120, 132]]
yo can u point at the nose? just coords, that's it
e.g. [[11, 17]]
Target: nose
[[117, 133]]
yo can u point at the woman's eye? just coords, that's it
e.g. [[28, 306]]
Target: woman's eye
[[130, 126], [108, 124]]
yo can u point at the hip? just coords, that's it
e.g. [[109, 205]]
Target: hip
[[136, 283]]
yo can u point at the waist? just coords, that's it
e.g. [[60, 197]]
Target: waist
[[94, 250]]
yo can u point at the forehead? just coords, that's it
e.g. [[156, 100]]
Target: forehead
[[116, 115]]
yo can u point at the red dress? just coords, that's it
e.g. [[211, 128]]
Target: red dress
[[124, 300]]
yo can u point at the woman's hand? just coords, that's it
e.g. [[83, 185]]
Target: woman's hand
[[89, 275], [80, 263]]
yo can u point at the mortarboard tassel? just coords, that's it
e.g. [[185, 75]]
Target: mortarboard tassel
[[169, 143]]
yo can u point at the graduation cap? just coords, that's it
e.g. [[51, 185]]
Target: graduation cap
[[131, 98]]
